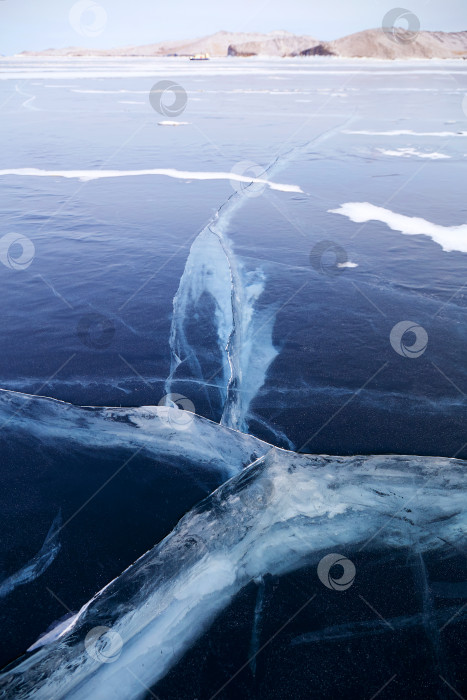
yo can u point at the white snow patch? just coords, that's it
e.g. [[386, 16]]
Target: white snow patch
[[450, 238], [410, 152], [169, 123], [87, 175], [347, 264]]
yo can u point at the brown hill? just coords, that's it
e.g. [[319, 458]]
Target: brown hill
[[371, 43], [374, 43], [215, 44], [278, 46]]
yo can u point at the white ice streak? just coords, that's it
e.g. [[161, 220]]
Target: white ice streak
[[450, 238], [244, 334], [207, 273], [250, 348], [208, 445], [88, 175], [38, 564], [244, 328], [56, 631], [371, 628], [311, 504]]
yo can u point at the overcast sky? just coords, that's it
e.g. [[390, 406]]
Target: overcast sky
[[41, 24]]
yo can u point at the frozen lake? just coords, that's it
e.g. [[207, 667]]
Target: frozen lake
[[390, 134], [319, 308]]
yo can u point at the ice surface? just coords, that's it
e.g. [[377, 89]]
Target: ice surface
[[282, 512], [56, 68], [156, 428], [450, 238]]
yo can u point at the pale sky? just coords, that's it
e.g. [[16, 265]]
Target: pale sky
[[41, 24]]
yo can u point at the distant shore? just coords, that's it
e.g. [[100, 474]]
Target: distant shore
[[371, 43]]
